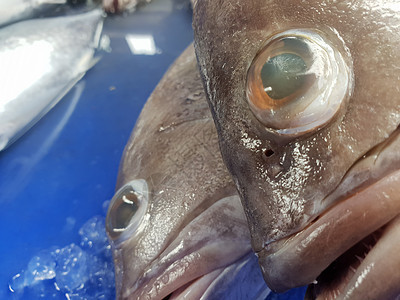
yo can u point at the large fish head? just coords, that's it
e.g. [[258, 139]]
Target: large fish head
[[176, 222], [306, 101]]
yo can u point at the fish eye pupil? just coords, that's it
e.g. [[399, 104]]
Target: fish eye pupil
[[123, 210], [283, 74]]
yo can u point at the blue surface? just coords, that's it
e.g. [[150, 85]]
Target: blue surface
[[59, 174]]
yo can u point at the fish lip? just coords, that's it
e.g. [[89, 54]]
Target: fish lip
[[174, 268], [296, 260], [155, 288]]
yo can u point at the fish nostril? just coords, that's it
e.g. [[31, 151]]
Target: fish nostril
[[268, 153]]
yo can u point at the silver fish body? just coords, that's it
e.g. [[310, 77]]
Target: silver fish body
[[314, 156], [176, 223], [12, 11], [40, 60]]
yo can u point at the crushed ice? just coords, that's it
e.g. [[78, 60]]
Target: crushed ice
[[83, 271]]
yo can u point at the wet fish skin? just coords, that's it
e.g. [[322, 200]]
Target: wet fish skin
[[12, 11], [194, 223], [283, 193], [40, 61], [337, 146]]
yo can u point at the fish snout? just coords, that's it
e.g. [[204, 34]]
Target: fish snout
[[293, 219], [279, 187], [354, 225]]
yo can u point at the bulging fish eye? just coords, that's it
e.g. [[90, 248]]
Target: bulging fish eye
[[298, 82], [127, 208]]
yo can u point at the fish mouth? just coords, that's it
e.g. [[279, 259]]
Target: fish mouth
[[351, 246], [368, 270], [197, 257]]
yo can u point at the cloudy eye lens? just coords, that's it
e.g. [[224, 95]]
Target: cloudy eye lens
[[283, 75], [127, 208], [298, 82]]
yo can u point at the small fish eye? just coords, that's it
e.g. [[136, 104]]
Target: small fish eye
[[298, 82], [127, 208]]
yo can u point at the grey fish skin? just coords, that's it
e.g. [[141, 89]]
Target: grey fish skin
[[12, 11], [301, 194], [40, 60], [188, 235]]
